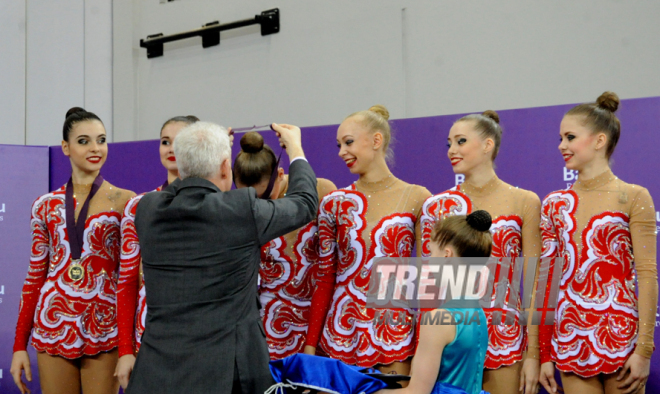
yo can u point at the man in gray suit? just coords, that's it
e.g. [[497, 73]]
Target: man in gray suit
[[201, 246]]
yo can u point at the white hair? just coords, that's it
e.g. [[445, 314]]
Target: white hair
[[200, 149]]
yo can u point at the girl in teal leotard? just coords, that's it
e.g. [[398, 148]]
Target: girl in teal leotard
[[453, 354]]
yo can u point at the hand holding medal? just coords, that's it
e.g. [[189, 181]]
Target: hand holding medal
[[290, 139]]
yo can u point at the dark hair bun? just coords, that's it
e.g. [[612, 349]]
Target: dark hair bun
[[381, 110], [74, 110], [492, 115], [479, 220], [609, 101], [252, 142], [192, 118]]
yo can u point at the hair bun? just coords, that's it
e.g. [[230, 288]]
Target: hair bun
[[490, 114], [252, 142], [609, 101], [479, 220], [381, 110], [74, 110]]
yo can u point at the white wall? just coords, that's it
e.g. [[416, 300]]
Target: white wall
[[300, 75], [12, 72], [476, 55], [55, 67], [60, 56], [418, 57], [98, 61]]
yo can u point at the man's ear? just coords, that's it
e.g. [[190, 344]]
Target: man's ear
[[449, 252], [225, 169]]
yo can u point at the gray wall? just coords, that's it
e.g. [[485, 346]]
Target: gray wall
[[12, 72], [418, 57], [60, 56]]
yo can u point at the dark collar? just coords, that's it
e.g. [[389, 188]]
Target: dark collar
[[195, 183]]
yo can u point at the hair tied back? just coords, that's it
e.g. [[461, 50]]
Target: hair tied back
[[252, 142], [608, 101], [380, 110], [74, 110], [492, 115], [76, 115], [479, 220]]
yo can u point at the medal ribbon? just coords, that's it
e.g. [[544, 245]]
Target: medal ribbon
[[273, 176], [76, 230], [250, 128]]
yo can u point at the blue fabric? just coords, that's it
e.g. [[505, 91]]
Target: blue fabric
[[326, 374], [463, 359], [445, 388]]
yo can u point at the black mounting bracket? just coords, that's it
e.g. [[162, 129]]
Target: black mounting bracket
[[210, 32]]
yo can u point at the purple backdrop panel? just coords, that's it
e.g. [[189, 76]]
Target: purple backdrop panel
[[528, 157], [24, 177], [130, 165]]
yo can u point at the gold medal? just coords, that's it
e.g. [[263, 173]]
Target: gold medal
[[76, 271]]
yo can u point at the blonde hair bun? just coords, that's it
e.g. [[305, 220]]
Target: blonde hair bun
[[381, 110]]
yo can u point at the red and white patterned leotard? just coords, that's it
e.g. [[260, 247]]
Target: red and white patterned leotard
[[131, 294], [67, 317], [288, 264], [354, 228], [513, 210], [604, 230]]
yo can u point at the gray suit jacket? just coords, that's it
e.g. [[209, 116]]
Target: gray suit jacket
[[200, 254]]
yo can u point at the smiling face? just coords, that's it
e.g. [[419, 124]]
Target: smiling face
[[467, 150], [86, 147], [357, 145], [167, 136], [578, 144]]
